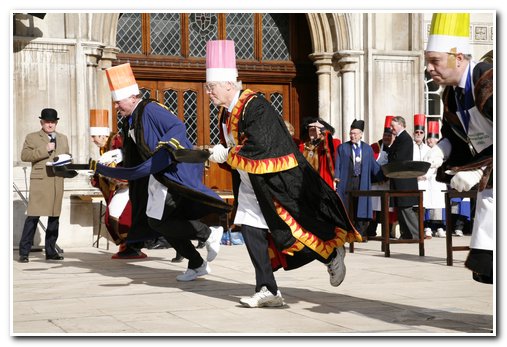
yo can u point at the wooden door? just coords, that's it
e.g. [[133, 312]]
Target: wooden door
[[277, 94]]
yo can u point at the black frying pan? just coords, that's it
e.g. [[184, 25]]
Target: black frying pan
[[406, 169]]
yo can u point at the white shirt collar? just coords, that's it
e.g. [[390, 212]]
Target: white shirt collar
[[234, 101]]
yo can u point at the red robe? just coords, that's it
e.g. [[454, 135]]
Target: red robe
[[322, 156]]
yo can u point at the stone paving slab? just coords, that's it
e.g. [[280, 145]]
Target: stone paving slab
[[91, 294]]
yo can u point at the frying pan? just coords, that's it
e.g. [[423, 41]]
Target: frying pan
[[406, 169]]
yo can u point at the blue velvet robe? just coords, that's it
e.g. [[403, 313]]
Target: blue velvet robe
[[370, 171], [153, 123]]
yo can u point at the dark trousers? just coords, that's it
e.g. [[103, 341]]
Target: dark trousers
[[256, 241], [139, 230], [408, 219], [26, 242], [361, 224], [180, 233]]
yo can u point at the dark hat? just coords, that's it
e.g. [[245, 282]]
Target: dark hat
[[49, 114], [326, 126], [419, 121], [387, 124], [357, 124], [433, 129]]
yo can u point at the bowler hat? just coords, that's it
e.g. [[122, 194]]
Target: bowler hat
[[49, 114]]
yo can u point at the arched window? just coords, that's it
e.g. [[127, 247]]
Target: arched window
[[432, 97]]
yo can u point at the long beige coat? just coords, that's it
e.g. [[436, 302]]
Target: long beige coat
[[46, 190]]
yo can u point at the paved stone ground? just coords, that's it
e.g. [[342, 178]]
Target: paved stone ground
[[90, 294]]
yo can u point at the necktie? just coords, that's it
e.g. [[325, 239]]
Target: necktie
[[357, 160], [460, 98]]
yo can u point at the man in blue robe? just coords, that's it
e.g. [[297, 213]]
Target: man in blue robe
[[355, 169], [177, 198]]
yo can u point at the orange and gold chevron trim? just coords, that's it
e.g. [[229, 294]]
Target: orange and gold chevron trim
[[306, 238], [233, 121], [260, 166]]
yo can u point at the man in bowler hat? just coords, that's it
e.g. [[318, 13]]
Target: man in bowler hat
[[46, 189]]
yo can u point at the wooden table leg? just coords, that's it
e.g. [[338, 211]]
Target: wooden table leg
[[448, 229], [385, 224], [421, 225]]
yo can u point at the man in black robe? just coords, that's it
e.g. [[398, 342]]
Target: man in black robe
[[289, 216]]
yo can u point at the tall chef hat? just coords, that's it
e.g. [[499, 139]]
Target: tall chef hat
[[99, 122], [449, 33], [221, 61], [419, 122], [387, 124], [122, 82], [433, 131]]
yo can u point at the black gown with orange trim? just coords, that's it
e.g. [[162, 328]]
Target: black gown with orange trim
[[306, 218]]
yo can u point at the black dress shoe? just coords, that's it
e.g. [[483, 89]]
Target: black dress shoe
[[23, 259], [54, 257]]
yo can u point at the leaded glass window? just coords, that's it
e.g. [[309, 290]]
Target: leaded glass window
[[275, 36], [165, 34], [202, 28], [277, 102], [129, 35], [214, 130], [240, 29], [190, 115], [171, 100]]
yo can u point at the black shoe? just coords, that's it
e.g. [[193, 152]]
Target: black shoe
[[23, 259], [200, 244], [178, 259], [161, 244], [54, 257], [129, 253]]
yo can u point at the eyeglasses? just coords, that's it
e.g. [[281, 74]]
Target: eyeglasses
[[419, 132], [209, 87]]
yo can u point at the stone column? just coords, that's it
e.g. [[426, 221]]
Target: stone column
[[92, 54], [347, 65], [324, 64]]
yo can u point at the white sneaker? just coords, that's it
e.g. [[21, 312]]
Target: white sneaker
[[263, 298], [428, 233], [441, 232], [336, 268], [458, 233], [192, 274], [213, 242]]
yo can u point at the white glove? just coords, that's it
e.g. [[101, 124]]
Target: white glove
[[465, 180], [114, 156], [435, 157], [218, 153]]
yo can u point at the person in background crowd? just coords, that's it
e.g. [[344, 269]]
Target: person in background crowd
[[292, 132], [420, 150], [319, 147], [464, 155], [118, 214], [289, 215], [356, 168], [433, 195], [420, 146], [380, 149], [176, 198], [46, 189], [402, 149]]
